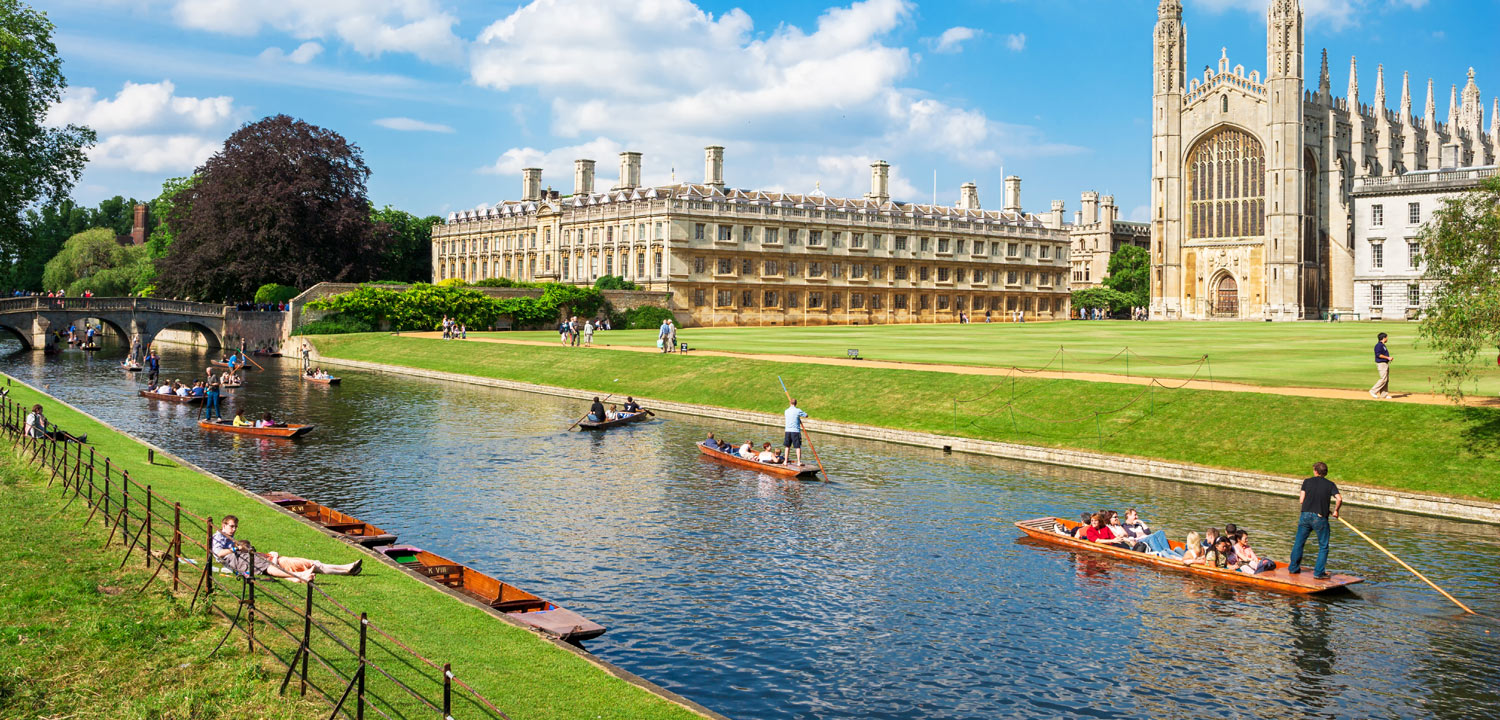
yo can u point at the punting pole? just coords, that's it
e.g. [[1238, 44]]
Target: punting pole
[[1413, 570], [579, 420], [805, 433]]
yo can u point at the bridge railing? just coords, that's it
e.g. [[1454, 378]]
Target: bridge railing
[[112, 304]]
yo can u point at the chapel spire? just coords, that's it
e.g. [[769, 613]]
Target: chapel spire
[[1353, 85], [1323, 85], [1453, 107], [1405, 97], [1430, 116], [1380, 88]]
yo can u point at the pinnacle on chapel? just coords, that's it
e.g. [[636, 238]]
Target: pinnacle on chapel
[[1431, 112], [1405, 97], [1323, 86], [1353, 85], [1453, 106], [1169, 9], [1380, 87]]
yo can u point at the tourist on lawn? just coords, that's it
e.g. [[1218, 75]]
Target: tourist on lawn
[[1382, 387], [662, 334], [793, 438], [241, 557], [562, 332], [671, 335], [575, 329], [1317, 492], [588, 333]]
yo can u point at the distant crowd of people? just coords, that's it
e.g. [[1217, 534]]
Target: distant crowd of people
[[570, 332]]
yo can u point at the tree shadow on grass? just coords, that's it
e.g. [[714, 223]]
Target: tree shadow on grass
[[1481, 433]]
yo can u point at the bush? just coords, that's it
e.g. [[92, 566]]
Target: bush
[[646, 317], [614, 282], [452, 283], [387, 282], [505, 283], [275, 294], [336, 325]]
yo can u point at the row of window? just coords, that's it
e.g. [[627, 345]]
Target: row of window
[[1413, 255], [873, 241], [1413, 295], [573, 267], [820, 300], [1413, 214], [746, 267], [581, 235]]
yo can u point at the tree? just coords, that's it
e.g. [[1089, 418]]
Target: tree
[[38, 164], [408, 256], [1461, 247], [160, 239], [284, 201], [1130, 274], [93, 260], [1101, 297], [614, 282]]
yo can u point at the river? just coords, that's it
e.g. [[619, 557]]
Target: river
[[899, 590]]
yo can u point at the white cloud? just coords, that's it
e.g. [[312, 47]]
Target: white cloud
[[301, 56], [410, 125], [371, 27], [952, 39], [1016, 42], [147, 127]]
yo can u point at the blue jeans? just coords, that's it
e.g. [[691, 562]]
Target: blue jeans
[[211, 406], [1308, 524]]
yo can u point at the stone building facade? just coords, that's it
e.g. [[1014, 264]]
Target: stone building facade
[[748, 257], [1389, 215], [1097, 233], [1251, 176]]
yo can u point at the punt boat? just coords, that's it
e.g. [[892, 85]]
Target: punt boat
[[353, 528], [166, 397], [129, 366], [788, 469], [322, 381], [280, 431], [534, 611], [641, 416], [1278, 579], [237, 368]]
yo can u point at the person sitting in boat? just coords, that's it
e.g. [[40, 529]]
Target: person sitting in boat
[[769, 456], [1218, 555], [241, 557], [1122, 534], [1194, 554], [1249, 562], [714, 443], [612, 413], [239, 419], [1134, 527], [265, 421], [228, 380], [1210, 538], [1099, 530], [631, 406], [1083, 526], [596, 411], [183, 390], [747, 450], [197, 390]]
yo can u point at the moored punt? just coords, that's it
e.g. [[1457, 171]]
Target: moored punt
[[351, 527], [281, 431], [788, 469], [641, 416], [322, 381], [1277, 579], [537, 612], [165, 397]]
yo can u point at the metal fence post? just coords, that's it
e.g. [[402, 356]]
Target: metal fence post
[[359, 698], [176, 541], [106, 487], [306, 636], [447, 691], [148, 527], [250, 605]]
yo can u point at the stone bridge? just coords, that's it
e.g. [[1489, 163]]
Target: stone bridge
[[34, 320]]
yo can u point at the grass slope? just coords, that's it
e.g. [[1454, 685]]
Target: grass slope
[[522, 674], [1338, 355], [1427, 448]]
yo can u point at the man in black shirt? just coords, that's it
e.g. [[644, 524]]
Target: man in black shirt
[[1317, 492], [596, 411], [1382, 388]]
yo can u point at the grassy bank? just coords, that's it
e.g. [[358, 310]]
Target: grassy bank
[[524, 675], [1338, 355], [1426, 448], [77, 641]]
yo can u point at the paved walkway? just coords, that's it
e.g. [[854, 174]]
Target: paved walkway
[[1334, 393]]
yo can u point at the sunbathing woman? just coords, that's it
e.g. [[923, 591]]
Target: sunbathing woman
[[1194, 554]]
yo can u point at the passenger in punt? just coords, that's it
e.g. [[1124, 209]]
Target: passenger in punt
[[714, 443], [596, 410], [1210, 537], [1250, 563], [198, 390], [769, 456], [611, 413], [1194, 554], [747, 450], [631, 406], [1122, 534], [1218, 555], [266, 421], [183, 390], [241, 557], [1134, 526], [239, 419], [1099, 530]]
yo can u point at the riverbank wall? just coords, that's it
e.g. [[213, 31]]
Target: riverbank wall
[[507, 661], [1383, 498]]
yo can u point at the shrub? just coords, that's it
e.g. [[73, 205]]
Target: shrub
[[505, 283], [646, 317], [614, 282], [275, 294], [387, 282], [452, 282], [336, 325]]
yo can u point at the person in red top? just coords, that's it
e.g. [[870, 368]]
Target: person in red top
[[1099, 530]]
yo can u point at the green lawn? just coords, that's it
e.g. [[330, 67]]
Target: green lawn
[[1427, 448], [1306, 354], [521, 673]]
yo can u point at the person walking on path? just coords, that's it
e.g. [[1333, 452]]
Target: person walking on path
[[793, 437], [588, 333], [664, 335], [671, 335], [1317, 492], [1382, 388], [575, 330]]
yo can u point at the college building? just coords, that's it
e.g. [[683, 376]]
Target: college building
[[1097, 233], [751, 257]]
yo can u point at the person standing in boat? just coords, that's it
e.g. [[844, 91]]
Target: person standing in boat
[[154, 364], [793, 437], [1317, 492], [211, 402]]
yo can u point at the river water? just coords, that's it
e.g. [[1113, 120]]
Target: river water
[[900, 590]]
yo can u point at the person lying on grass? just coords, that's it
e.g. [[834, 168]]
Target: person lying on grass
[[241, 557]]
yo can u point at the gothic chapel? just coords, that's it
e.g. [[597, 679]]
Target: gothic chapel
[[1250, 176]]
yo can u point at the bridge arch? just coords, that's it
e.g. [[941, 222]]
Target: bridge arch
[[211, 336], [6, 329]]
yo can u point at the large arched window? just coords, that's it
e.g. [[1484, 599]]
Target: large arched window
[[1226, 173]]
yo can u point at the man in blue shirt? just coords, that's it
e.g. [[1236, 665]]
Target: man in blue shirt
[[664, 337], [1381, 389], [793, 437]]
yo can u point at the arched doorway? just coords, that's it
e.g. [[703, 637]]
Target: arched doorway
[[1226, 297]]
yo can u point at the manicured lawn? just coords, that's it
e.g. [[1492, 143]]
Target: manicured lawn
[[1428, 448], [522, 674], [1309, 354]]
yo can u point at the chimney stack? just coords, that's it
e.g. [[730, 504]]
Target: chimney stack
[[531, 184], [1108, 213], [583, 177], [880, 182], [713, 166], [968, 196], [630, 170], [1013, 194], [1449, 159], [1090, 207], [138, 230], [1057, 216]]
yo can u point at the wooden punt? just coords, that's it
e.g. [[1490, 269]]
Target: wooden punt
[[1278, 579], [607, 424], [129, 367], [164, 397], [237, 368], [537, 612], [353, 528], [284, 431], [789, 469], [89, 348], [322, 381]]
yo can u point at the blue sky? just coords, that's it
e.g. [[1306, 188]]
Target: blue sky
[[449, 99]]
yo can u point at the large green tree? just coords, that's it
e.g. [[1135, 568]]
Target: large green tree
[[160, 238], [38, 164], [92, 260], [408, 255], [283, 202], [1130, 274], [1461, 246]]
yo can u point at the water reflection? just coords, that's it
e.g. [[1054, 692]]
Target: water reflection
[[899, 591]]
